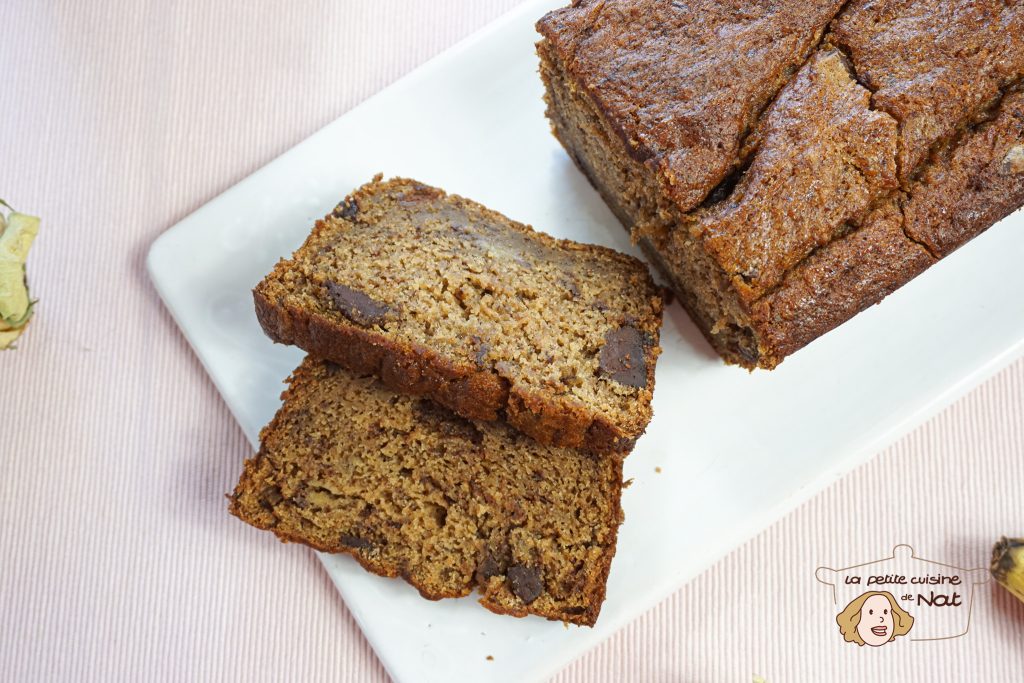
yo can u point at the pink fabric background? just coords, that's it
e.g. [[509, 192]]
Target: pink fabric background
[[117, 559]]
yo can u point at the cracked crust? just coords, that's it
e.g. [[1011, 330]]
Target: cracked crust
[[450, 506], [518, 319], [807, 231], [823, 159], [933, 65], [971, 184], [682, 84]]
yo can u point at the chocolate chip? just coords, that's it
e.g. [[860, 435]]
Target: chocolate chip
[[482, 349], [622, 357], [357, 306], [525, 582], [355, 541], [488, 567], [749, 355], [347, 208], [270, 496]]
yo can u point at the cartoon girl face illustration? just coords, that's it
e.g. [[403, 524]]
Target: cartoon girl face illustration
[[874, 619]]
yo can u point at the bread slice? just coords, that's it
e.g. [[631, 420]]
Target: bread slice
[[411, 490], [441, 297]]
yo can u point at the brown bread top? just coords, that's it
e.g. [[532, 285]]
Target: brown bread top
[[971, 184], [961, 192], [411, 490], [837, 282], [439, 296], [813, 227], [934, 65], [682, 83], [964, 189], [823, 159]]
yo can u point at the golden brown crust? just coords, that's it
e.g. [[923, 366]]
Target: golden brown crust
[[823, 159], [972, 184], [781, 267], [475, 389], [837, 282], [474, 393], [932, 64], [682, 84], [962, 192]]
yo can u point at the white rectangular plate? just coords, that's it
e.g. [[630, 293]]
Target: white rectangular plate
[[736, 450]]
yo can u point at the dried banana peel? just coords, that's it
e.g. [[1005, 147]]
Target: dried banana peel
[[17, 231], [1008, 565]]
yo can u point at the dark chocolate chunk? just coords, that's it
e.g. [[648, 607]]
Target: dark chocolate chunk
[[525, 582], [482, 349], [749, 355], [622, 357], [357, 306], [270, 496], [488, 567], [355, 541], [347, 208]]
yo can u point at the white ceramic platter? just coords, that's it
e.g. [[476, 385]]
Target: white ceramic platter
[[736, 450]]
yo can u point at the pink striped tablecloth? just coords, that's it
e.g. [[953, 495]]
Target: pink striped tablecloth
[[118, 560]]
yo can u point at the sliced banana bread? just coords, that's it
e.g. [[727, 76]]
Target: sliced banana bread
[[412, 490], [438, 296]]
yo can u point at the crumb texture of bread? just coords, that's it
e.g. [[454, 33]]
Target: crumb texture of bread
[[411, 490], [438, 296], [892, 137]]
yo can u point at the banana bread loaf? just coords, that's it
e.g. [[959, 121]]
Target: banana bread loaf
[[441, 297], [891, 139], [411, 490]]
